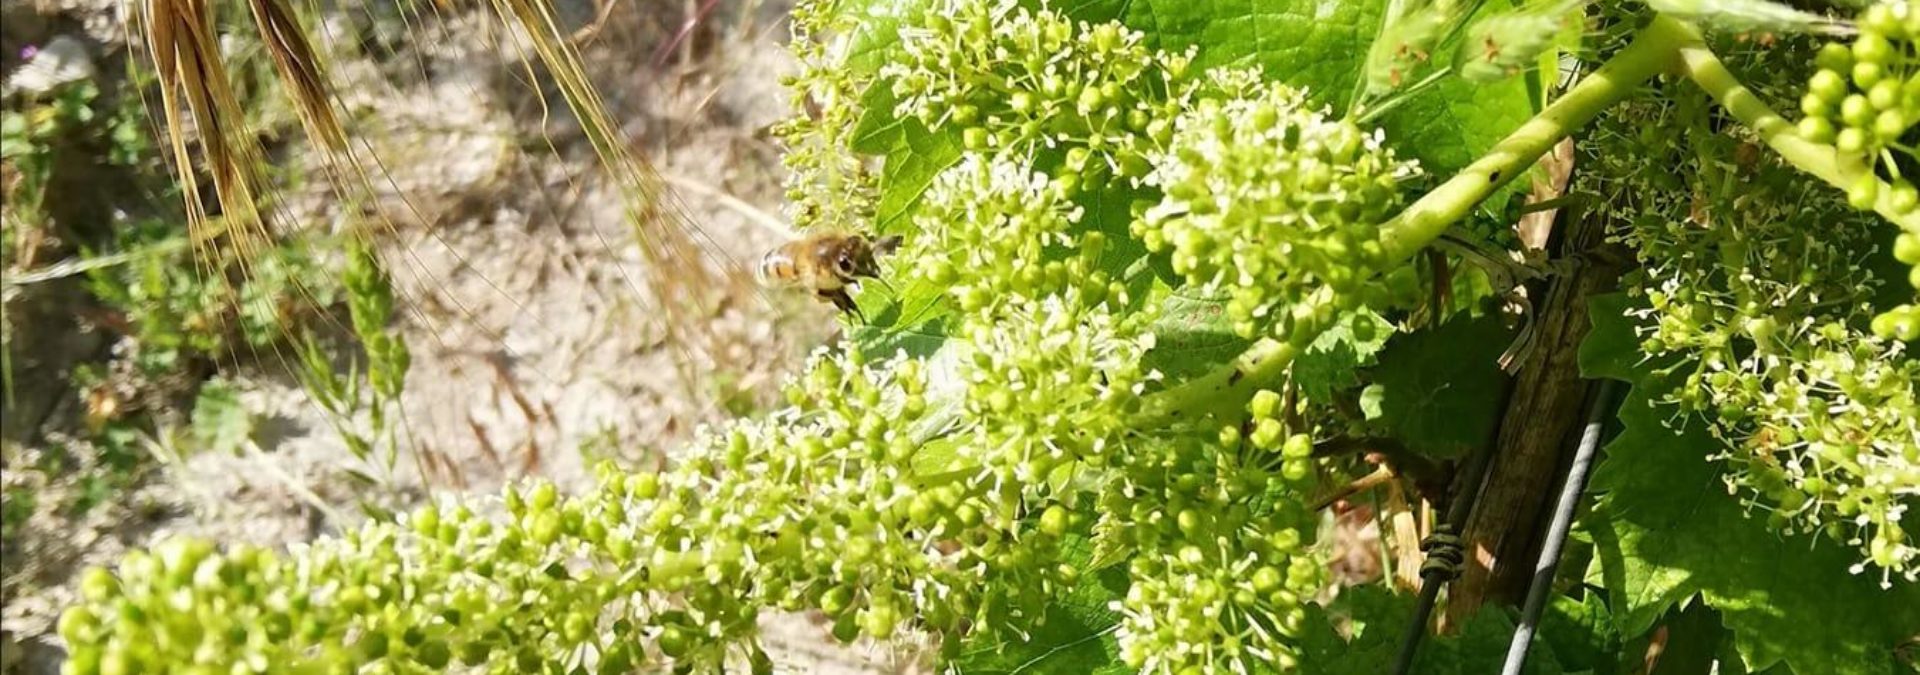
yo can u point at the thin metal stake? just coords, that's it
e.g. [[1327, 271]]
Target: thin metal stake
[[1556, 541]]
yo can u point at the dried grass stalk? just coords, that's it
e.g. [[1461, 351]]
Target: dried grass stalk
[[678, 270], [195, 85], [301, 73]]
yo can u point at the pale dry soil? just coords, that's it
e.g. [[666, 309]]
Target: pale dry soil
[[537, 349]]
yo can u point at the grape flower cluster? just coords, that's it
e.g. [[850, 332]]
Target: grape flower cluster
[[1769, 329], [1019, 81], [954, 493], [1865, 100], [828, 184], [1010, 232], [1222, 535], [1267, 198]]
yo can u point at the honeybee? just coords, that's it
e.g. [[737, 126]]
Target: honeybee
[[827, 264]]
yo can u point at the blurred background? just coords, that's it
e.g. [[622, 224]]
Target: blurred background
[[159, 382]]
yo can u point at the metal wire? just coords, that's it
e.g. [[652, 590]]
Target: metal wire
[[1556, 539], [1443, 557]]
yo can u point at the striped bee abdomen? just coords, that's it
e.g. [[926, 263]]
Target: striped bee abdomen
[[777, 268]]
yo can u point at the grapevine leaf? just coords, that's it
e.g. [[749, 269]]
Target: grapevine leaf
[[1370, 398], [1367, 616], [910, 318], [1730, 664], [1452, 124], [1694, 635], [1110, 212], [1581, 632], [1440, 390], [919, 341], [914, 154], [1374, 619], [1611, 350], [878, 130], [1075, 637], [1482, 648], [1666, 529], [917, 156], [1315, 45], [935, 457], [1322, 47], [1192, 335], [1334, 359], [878, 31], [1449, 125]]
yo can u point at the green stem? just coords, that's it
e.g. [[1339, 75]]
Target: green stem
[[1651, 52], [1223, 392], [1817, 159]]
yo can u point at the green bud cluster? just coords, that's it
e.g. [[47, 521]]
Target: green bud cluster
[[1268, 199], [1865, 101], [1769, 329], [444, 587], [1222, 544], [809, 508], [1866, 95], [829, 186], [903, 494], [887, 505], [1022, 80], [994, 231], [1052, 385]]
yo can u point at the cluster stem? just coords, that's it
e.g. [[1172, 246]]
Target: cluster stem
[[1816, 159], [1653, 50]]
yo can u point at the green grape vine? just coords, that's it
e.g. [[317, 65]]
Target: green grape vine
[[1088, 429]]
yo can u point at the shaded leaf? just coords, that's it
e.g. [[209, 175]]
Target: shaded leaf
[[1611, 349], [1693, 640], [1441, 390], [1334, 360], [1375, 620], [1666, 529], [1581, 632]]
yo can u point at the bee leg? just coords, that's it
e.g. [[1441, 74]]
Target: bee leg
[[844, 302]]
